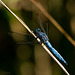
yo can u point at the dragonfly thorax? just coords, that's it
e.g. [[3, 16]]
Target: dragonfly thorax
[[42, 36]]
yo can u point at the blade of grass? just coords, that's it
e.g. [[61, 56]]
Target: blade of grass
[[56, 24], [63, 68]]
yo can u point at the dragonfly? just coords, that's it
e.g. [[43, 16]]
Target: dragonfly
[[44, 39]]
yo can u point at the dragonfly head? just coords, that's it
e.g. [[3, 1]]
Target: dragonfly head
[[37, 30]]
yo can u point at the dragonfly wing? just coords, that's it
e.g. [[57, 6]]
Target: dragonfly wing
[[18, 36], [40, 23], [22, 38], [26, 42], [46, 26]]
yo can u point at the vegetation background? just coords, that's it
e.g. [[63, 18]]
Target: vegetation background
[[32, 59]]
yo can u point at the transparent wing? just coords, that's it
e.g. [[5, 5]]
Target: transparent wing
[[43, 27], [46, 27], [22, 38], [40, 23]]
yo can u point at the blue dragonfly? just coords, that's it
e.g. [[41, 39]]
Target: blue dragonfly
[[44, 39]]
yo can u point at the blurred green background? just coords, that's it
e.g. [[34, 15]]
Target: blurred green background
[[32, 59]]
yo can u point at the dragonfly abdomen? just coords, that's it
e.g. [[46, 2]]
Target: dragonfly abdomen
[[55, 52]]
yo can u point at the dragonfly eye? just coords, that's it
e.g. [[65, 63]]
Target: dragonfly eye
[[36, 30]]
